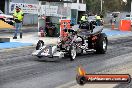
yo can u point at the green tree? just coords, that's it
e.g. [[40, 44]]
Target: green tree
[[93, 6], [112, 5], [108, 5], [127, 7]]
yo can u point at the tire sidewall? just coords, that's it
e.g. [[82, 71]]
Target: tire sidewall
[[99, 44], [70, 52], [39, 44], [78, 49]]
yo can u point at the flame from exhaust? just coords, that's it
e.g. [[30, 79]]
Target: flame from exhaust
[[81, 71]]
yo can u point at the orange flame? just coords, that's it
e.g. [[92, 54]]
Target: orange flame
[[81, 71]]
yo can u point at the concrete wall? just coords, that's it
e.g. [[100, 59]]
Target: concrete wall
[[62, 10], [122, 15], [25, 1]]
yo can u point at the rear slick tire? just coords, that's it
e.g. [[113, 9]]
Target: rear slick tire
[[101, 44]]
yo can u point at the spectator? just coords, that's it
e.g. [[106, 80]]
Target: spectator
[[18, 16]]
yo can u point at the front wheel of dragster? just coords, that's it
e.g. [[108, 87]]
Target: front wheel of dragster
[[101, 44], [80, 42], [39, 44], [72, 52]]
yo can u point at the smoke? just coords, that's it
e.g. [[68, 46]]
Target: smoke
[[124, 1]]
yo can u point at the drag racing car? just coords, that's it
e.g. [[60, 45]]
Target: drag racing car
[[88, 38]]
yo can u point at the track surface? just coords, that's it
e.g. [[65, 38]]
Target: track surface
[[19, 69]]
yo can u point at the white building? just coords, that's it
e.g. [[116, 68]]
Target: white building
[[67, 8], [72, 9]]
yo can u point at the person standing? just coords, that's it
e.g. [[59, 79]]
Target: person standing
[[98, 20], [18, 17], [84, 18]]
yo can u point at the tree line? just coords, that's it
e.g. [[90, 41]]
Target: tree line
[[107, 6]]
